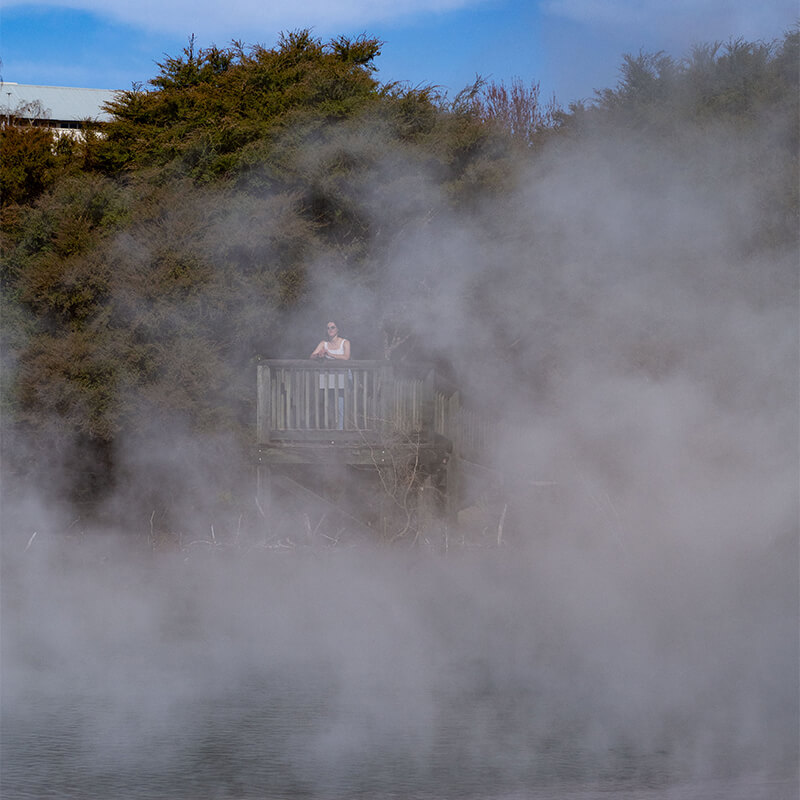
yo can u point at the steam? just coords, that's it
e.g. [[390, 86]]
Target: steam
[[638, 630]]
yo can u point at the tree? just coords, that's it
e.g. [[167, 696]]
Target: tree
[[209, 104], [517, 110], [27, 162]]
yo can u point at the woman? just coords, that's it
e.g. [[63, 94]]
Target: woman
[[338, 349]]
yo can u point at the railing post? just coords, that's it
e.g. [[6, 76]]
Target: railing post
[[428, 404], [263, 415], [386, 398], [454, 422]]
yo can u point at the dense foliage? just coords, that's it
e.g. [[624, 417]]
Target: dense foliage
[[220, 214]]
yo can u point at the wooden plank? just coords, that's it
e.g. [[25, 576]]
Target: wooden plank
[[293, 453], [316, 401], [325, 393], [348, 400], [307, 398], [263, 409], [356, 387], [279, 422], [365, 381], [428, 456], [295, 405], [385, 399], [304, 363], [358, 407], [287, 399]]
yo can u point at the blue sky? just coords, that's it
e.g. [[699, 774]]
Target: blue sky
[[570, 47]]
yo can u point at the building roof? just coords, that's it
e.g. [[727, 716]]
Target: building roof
[[62, 103]]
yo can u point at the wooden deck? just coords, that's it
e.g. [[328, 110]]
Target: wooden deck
[[358, 404], [366, 415]]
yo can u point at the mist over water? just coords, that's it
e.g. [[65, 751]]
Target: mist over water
[[635, 636], [350, 673]]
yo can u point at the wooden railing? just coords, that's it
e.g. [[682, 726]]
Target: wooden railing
[[338, 401], [307, 400]]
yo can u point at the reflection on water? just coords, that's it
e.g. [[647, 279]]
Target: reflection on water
[[352, 677]]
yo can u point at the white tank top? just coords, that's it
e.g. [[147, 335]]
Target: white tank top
[[335, 351], [335, 380]]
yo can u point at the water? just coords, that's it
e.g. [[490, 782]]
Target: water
[[346, 674]]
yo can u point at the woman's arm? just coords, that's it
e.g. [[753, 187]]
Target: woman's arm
[[319, 351]]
